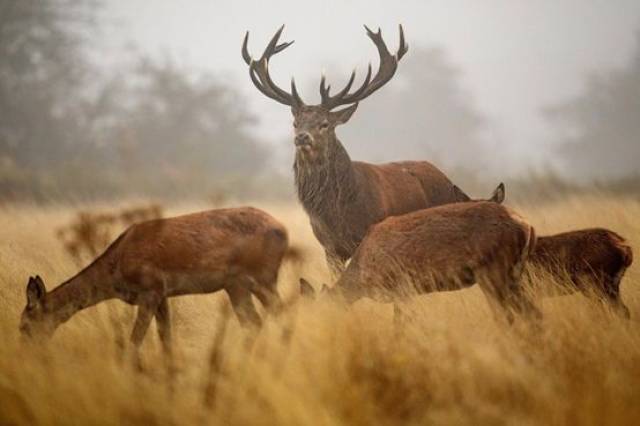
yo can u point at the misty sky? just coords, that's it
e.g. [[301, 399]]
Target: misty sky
[[516, 56]]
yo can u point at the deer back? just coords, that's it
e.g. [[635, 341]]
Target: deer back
[[587, 251], [209, 241], [440, 242]]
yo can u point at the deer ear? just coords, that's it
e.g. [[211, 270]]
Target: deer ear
[[499, 194], [343, 115], [306, 290], [460, 195], [35, 291]]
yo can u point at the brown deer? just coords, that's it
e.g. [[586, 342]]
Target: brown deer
[[592, 261], [238, 250], [342, 197], [442, 248], [588, 260]]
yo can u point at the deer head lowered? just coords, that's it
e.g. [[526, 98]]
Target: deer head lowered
[[343, 198], [238, 250]]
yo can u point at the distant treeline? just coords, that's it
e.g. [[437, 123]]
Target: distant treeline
[[72, 130], [68, 130]]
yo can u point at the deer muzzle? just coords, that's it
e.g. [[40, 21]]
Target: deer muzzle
[[303, 140]]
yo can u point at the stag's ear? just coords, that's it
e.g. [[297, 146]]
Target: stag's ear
[[35, 291], [460, 195], [499, 194], [343, 115], [306, 290]]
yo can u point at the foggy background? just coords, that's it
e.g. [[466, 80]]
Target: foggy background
[[113, 98]]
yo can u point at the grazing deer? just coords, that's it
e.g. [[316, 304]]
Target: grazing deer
[[442, 248], [238, 250], [586, 260], [343, 198]]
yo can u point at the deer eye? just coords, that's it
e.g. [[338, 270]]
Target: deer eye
[[324, 125]]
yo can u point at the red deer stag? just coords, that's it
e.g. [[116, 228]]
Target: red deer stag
[[586, 260], [342, 197], [238, 250], [441, 249]]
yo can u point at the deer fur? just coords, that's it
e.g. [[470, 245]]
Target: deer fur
[[588, 260], [343, 198], [441, 249], [238, 250]]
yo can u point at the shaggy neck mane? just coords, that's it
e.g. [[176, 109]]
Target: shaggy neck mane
[[323, 185]]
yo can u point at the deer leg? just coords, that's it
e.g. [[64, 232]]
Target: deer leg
[[505, 294], [266, 292], [240, 297], [516, 296], [612, 294], [146, 310], [163, 321], [145, 314], [496, 301]]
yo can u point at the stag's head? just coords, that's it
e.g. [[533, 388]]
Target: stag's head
[[34, 322], [314, 125]]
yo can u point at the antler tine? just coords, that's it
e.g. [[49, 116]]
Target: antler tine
[[273, 43], [279, 48], [297, 101], [386, 70], [364, 84], [324, 90], [245, 49], [259, 70], [348, 86], [404, 47]]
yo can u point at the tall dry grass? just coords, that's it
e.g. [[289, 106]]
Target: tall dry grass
[[319, 364]]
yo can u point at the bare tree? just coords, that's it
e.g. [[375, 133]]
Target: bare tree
[[600, 128]]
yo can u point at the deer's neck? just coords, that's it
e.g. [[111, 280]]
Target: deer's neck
[[90, 286], [324, 186]]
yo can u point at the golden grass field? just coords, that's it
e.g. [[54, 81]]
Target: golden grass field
[[319, 364]]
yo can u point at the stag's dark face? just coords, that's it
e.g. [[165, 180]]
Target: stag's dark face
[[314, 130]]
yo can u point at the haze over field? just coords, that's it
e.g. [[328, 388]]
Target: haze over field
[[503, 63], [114, 113], [155, 100]]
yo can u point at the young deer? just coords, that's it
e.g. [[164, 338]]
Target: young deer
[[441, 249], [592, 260], [342, 197], [238, 250]]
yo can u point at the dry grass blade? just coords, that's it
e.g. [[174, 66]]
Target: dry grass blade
[[452, 363]]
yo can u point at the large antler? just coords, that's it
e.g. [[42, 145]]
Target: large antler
[[388, 66], [259, 72]]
